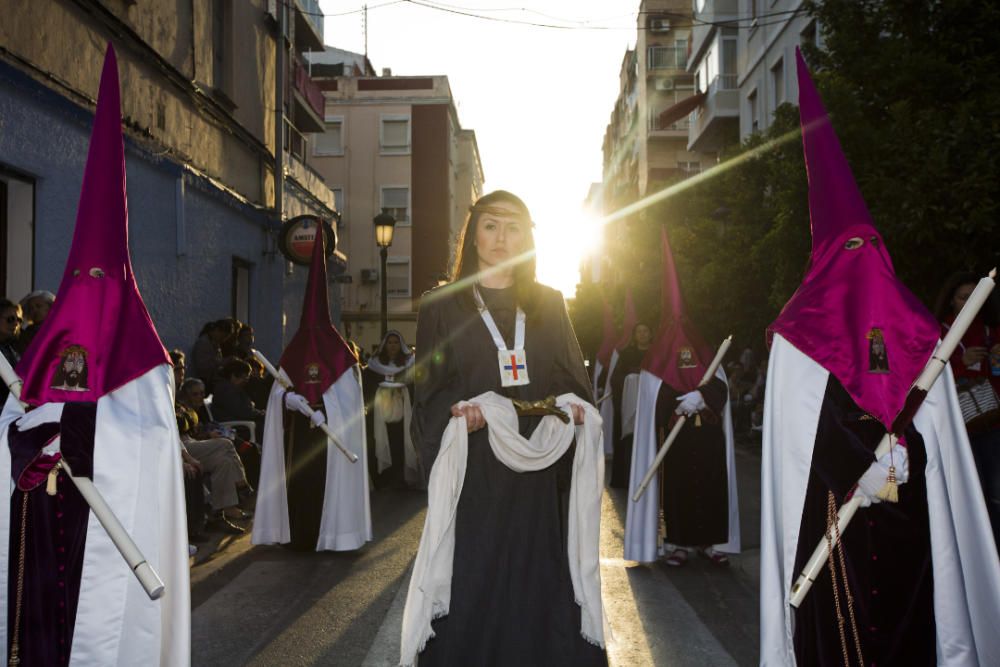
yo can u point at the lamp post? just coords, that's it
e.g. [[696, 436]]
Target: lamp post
[[384, 225]]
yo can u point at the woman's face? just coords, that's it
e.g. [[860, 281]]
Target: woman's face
[[501, 234], [642, 335], [392, 346], [961, 296], [195, 395], [10, 323]]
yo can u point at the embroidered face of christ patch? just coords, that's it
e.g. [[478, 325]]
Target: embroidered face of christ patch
[[513, 368]]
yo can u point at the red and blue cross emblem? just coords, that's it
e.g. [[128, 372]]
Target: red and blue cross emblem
[[513, 366]]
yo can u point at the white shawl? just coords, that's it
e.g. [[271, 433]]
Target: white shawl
[[429, 594], [965, 565]]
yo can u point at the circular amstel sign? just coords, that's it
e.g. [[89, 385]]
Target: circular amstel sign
[[299, 234]]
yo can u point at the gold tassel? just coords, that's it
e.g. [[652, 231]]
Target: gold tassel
[[890, 492]]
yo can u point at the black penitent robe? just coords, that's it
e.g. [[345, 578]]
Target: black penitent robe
[[305, 475], [629, 361], [886, 547], [55, 536], [695, 488], [511, 595]]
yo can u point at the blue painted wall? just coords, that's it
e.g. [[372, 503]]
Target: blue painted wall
[[182, 247]]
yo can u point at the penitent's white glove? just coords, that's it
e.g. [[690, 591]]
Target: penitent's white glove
[[317, 418], [298, 402], [899, 458], [690, 403]]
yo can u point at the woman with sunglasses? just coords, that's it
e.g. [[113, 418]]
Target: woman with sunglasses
[[10, 329]]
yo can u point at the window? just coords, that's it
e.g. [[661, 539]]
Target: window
[[222, 47], [395, 134], [728, 76], [754, 113], [667, 57], [340, 204], [397, 276], [17, 221], [396, 202], [330, 142], [241, 289], [778, 82], [689, 167]]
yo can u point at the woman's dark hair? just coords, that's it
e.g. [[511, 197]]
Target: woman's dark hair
[[943, 308], [235, 368], [401, 356], [177, 356], [466, 265], [185, 388]]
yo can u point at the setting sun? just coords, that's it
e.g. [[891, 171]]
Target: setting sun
[[563, 242]]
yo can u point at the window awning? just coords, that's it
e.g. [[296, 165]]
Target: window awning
[[678, 111]]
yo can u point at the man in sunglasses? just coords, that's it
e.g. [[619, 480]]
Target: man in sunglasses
[[10, 329]]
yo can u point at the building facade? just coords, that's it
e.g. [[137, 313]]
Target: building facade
[[200, 85], [392, 143], [743, 60], [646, 145]]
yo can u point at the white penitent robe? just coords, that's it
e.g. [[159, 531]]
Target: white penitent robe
[[137, 468], [346, 522], [965, 567], [606, 407], [643, 518], [630, 398]]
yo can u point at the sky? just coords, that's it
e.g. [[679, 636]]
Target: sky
[[538, 98]]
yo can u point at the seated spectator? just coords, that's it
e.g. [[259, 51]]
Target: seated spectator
[[10, 330], [194, 481], [217, 457], [230, 401], [36, 307], [206, 355], [259, 385], [192, 396]]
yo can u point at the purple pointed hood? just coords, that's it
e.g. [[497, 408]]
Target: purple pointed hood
[[98, 335], [677, 355], [851, 315], [317, 355]]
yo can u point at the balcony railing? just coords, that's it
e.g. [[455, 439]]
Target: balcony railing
[[295, 142], [308, 88], [313, 14], [723, 82], [656, 126]]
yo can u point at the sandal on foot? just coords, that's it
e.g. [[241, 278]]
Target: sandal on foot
[[677, 557], [717, 557]]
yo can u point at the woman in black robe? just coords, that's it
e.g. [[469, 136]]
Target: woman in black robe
[[512, 600], [385, 378], [629, 362]]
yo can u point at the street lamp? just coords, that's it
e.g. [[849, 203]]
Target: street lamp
[[384, 225]]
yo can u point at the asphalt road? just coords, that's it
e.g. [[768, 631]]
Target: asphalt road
[[270, 606]]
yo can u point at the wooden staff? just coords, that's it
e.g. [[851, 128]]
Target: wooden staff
[[679, 424], [351, 456], [143, 571], [935, 365]]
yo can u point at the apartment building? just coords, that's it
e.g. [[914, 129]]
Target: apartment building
[[743, 60], [392, 143], [200, 89], [766, 44]]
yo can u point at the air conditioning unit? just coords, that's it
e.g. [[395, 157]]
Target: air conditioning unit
[[369, 276], [659, 25], [665, 84]]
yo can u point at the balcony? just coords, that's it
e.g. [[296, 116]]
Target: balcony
[[715, 122], [308, 26], [309, 102]]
